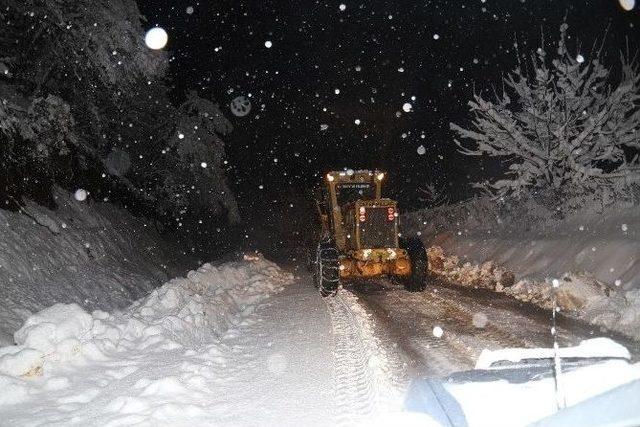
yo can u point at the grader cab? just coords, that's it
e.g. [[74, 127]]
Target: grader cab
[[360, 236]]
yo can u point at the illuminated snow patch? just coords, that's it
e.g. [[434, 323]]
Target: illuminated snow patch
[[480, 320]]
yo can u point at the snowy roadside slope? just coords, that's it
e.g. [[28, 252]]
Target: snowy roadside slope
[[594, 254], [157, 362], [93, 254]]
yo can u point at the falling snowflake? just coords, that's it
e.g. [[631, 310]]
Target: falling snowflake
[[181, 136], [203, 165], [324, 126], [80, 195], [436, 36], [356, 121], [437, 332], [580, 59], [407, 107], [624, 227], [240, 106], [268, 44], [343, 7], [156, 38], [337, 91], [421, 150], [189, 10], [627, 4]]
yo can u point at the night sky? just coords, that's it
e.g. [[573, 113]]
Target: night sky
[[378, 54]]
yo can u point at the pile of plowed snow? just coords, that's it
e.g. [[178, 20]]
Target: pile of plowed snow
[[593, 254], [70, 365], [93, 254]]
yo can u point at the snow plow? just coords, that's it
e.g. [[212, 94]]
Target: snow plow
[[359, 237]]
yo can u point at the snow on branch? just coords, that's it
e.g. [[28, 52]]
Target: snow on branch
[[562, 123]]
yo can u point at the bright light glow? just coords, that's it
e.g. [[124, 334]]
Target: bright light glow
[[380, 176], [156, 38], [627, 4], [330, 177]]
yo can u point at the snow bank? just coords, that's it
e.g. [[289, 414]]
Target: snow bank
[[594, 253], [154, 361], [184, 312], [92, 254]]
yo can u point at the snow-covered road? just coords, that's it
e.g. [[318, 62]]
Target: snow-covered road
[[248, 343]]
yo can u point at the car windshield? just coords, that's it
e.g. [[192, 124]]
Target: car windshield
[[313, 212]]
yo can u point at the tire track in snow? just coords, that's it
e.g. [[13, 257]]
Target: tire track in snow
[[363, 377]]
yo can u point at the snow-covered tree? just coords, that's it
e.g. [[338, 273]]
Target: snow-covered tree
[[433, 195], [564, 122], [81, 94]]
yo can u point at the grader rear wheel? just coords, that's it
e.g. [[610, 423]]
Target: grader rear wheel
[[416, 281]]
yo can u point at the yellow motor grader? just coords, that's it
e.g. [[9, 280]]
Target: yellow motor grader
[[360, 236]]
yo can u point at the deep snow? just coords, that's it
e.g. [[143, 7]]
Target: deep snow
[[213, 348], [244, 343], [159, 361], [90, 253], [593, 253]]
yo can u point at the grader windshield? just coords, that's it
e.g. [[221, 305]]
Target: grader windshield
[[350, 192]]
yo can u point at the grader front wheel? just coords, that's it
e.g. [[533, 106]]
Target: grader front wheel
[[327, 269]]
